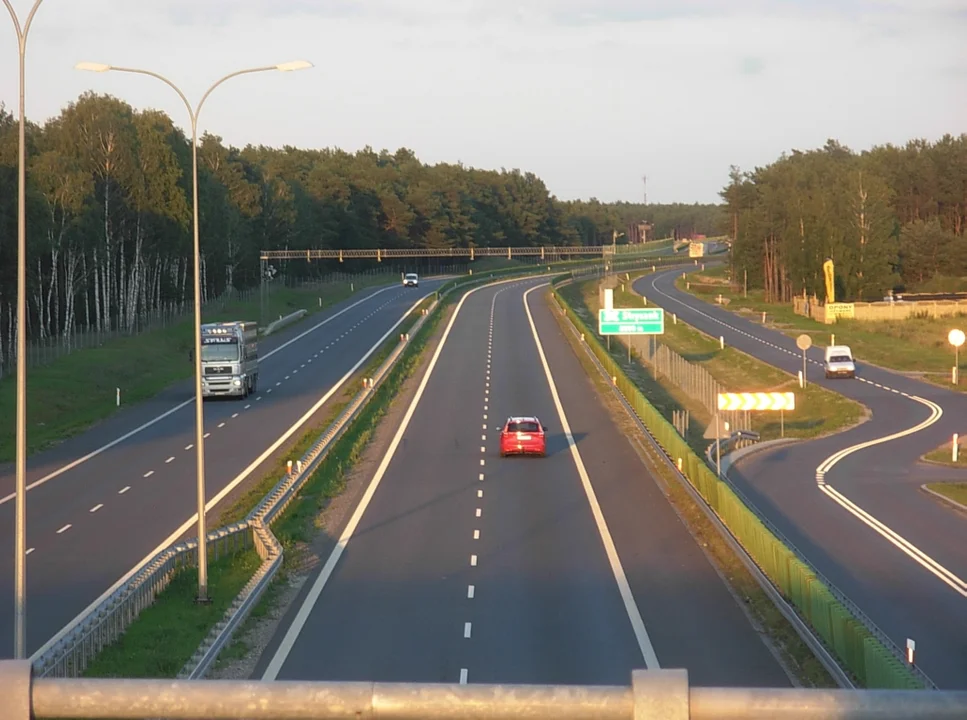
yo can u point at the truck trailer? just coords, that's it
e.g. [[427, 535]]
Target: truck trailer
[[229, 359]]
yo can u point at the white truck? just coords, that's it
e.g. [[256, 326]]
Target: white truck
[[229, 359], [839, 362]]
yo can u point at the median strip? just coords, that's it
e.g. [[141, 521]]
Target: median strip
[[72, 654]]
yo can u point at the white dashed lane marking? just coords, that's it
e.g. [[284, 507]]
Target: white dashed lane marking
[[189, 446], [29, 550]]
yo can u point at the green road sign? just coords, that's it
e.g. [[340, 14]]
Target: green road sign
[[631, 321]]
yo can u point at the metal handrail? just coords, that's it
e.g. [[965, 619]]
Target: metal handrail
[[651, 695]]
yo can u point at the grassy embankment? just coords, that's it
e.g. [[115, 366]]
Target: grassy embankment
[[916, 346], [818, 411], [77, 390], [795, 653]]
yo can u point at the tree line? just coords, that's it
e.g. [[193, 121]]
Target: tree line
[[890, 218], [109, 211]]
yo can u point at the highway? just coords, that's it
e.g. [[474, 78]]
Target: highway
[[859, 515], [461, 566], [99, 505]]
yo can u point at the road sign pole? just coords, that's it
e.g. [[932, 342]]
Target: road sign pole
[[782, 423], [718, 446], [628, 340], [804, 368]]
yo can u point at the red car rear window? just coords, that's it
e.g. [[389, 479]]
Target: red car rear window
[[526, 427]]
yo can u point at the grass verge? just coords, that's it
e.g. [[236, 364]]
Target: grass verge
[[77, 390], [818, 411], [168, 633], [796, 655], [296, 527], [956, 491], [916, 346]]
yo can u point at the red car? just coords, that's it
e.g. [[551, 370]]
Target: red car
[[522, 436]]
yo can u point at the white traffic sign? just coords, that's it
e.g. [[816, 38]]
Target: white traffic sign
[[757, 401], [804, 342]]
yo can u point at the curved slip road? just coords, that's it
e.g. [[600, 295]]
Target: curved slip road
[[460, 566], [861, 519], [88, 526]]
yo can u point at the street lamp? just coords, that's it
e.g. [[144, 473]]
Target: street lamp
[[956, 338], [20, 544], [199, 410]]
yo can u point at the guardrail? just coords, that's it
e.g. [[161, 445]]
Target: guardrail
[[283, 321], [70, 651], [868, 654], [651, 695]]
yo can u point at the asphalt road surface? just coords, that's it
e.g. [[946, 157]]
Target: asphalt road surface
[[466, 567], [88, 526], [906, 573]]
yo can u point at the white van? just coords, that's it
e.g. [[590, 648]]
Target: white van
[[839, 362], [411, 280]]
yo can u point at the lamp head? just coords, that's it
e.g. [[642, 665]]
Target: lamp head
[[92, 67], [294, 65]]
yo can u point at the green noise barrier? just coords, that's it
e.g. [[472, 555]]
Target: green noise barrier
[[871, 663]]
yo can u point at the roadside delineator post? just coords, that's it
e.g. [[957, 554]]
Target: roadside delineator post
[[911, 647], [955, 449], [288, 467], [721, 342], [118, 397]]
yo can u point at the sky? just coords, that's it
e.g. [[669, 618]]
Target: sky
[[590, 95]]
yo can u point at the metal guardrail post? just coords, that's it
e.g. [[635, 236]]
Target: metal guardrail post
[[660, 694], [16, 686]]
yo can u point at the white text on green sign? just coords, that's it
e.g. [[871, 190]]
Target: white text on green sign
[[631, 321]]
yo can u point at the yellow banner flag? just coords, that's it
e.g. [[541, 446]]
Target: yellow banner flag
[[830, 283]]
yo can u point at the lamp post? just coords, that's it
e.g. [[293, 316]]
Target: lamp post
[[956, 338], [20, 544], [199, 408]]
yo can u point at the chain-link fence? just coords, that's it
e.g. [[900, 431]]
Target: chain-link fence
[[691, 378]]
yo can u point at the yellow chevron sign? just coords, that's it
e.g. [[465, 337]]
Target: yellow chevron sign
[[757, 401]]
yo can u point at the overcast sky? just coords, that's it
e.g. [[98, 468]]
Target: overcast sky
[[588, 94]]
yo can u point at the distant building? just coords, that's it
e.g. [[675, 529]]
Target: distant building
[[640, 232]]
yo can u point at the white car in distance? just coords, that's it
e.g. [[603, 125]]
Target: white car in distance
[[411, 280]]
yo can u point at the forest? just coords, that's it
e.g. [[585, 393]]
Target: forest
[[109, 214], [890, 218]]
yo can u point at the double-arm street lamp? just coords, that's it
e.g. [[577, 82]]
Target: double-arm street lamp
[[20, 543], [199, 410]]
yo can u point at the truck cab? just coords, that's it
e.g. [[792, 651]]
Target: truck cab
[[839, 362], [229, 359]]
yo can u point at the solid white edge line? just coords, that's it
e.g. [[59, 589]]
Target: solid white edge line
[[299, 621], [228, 488], [624, 588], [946, 576], [94, 453], [894, 538]]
